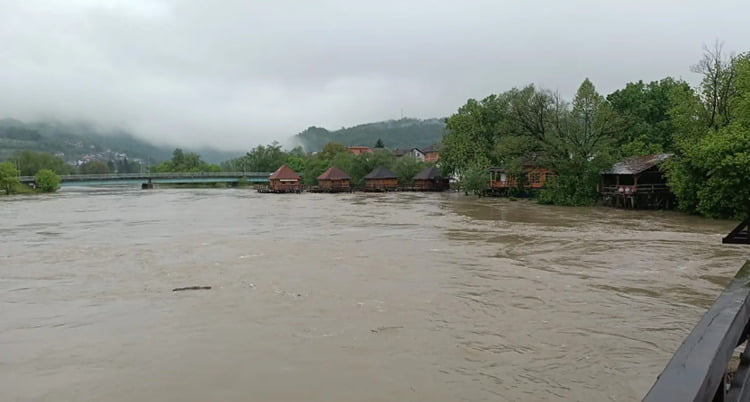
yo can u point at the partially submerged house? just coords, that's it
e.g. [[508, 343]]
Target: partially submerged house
[[532, 178], [430, 179], [637, 183], [284, 180], [381, 179], [334, 180]]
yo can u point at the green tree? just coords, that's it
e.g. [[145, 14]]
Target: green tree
[[47, 181], [582, 145], [711, 173], [94, 167], [645, 112], [406, 167], [30, 162], [8, 177], [379, 143], [476, 180]]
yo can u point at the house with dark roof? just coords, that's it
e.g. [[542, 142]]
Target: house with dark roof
[[285, 180], [381, 179], [334, 180], [637, 183], [413, 152], [430, 179], [431, 153]]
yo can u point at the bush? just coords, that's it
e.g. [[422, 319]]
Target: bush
[[47, 181]]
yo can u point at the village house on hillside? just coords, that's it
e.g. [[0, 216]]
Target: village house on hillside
[[334, 180], [285, 180], [431, 153], [381, 179], [637, 183], [414, 152], [430, 179], [359, 150]]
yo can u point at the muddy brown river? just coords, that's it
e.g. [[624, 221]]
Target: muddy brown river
[[348, 297]]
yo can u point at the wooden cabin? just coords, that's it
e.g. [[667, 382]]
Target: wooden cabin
[[637, 183], [534, 178], [285, 180], [430, 179], [381, 179], [334, 180]]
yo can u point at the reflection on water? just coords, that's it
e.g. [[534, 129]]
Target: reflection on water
[[341, 297]]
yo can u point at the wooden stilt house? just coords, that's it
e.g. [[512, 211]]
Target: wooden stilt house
[[334, 180], [381, 179], [637, 183], [430, 179], [285, 180]]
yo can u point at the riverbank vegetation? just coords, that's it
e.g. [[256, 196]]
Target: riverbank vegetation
[[706, 128]]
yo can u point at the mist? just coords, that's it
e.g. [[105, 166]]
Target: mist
[[234, 74]]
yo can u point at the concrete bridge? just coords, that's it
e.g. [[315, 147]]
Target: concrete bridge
[[147, 180]]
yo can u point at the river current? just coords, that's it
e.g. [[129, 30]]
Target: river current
[[344, 297]]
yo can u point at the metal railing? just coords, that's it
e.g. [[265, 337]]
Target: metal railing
[[698, 370], [146, 176]]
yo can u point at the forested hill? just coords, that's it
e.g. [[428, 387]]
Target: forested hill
[[72, 141], [404, 133]]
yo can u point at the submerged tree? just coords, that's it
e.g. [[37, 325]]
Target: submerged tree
[[8, 177]]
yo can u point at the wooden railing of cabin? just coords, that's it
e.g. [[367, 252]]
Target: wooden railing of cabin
[[699, 370], [633, 189]]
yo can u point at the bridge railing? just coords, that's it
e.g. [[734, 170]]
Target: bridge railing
[[699, 370], [146, 176]]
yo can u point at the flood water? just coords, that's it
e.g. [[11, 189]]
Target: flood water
[[347, 297]]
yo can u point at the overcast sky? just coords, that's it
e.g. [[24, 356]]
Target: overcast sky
[[235, 73]]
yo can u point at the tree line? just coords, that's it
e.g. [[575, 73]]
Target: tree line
[[268, 158], [706, 128]]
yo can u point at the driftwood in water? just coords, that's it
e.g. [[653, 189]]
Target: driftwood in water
[[192, 288]]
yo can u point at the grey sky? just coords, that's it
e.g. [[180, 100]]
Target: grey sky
[[235, 73]]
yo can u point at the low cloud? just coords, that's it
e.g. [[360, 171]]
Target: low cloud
[[233, 74]]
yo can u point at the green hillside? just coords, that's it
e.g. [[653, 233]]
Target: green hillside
[[404, 133], [71, 141]]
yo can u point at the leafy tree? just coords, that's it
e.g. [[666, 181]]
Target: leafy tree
[[30, 162], [379, 143], [185, 162], [645, 112], [711, 174], [8, 177], [47, 181], [94, 167], [717, 88], [406, 167], [475, 180]]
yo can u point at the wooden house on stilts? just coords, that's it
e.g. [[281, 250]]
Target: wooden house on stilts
[[637, 183], [430, 179], [381, 179], [334, 180], [284, 180]]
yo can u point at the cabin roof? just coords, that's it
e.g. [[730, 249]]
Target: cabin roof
[[429, 173], [381, 172], [284, 173], [637, 164], [334, 173]]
